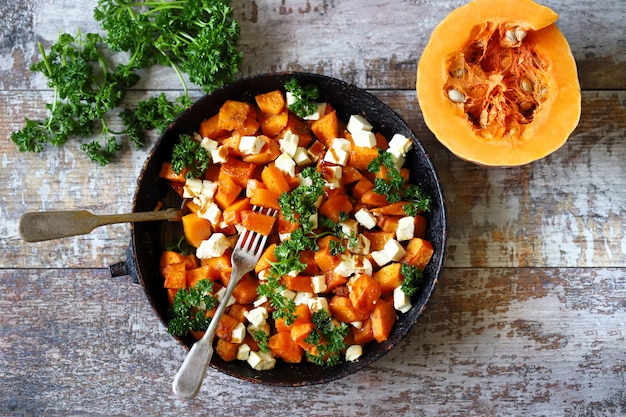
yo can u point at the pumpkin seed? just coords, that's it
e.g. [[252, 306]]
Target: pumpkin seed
[[520, 34], [527, 85], [456, 96], [510, 35], [525, 106]]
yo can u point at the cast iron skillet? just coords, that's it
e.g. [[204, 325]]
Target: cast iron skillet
[[150, 239]]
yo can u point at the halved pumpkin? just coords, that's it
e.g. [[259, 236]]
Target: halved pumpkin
[[497, 83]]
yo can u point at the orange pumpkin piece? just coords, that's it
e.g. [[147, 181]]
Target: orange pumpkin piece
[[395, 209], [233, 115], [225, 327], [299, 283], [503, 89], [227, 191], [167, 173], [273, 124], [383, 318], [197, 274], [299, 332], [350, 175], [361, 157], [257, 222], [274, 179], [418, 253], [365, 293], [388, 278], [175, 275], [334, 206], [239, 171], [326, 128], [334, 280], [272, 102], [302, 314], [264, 197], [269, 152], [420, 226], [377, 239], [373, 199], [217, 266], [209, 128], [267, 257], [232, 214], [365, 334], [171, 257], [196, 229], [245, 290], [251, 125], [323, 258], [238, 311], [343, 310], [282, 346], [226, 350], [361, 187]]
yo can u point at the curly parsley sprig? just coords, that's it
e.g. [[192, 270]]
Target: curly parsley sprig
[[189, 308], [328, 338], [304, 98]]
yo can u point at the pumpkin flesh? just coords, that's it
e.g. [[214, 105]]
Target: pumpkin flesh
[[497, 83]]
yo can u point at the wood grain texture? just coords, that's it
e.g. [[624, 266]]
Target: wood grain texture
[[528, 316], [492, 342]]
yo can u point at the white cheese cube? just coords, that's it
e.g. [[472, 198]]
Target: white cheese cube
[[219, 296], [321, 109], [365, 218], [219, 155], [243, 352], [357, 123], [394, 250], [336, 156], [361, 246], [318, 303], [406, 228], [192, 188], [290, 98], [284, 236], [209, 144], [319, 283], [362, 265], [238, 333], [349, 227], [302, 297], [211, 212], [401, 144], [401, 301], [341, 143], [263, 274], [301, 156], [313, 220], [380, 257], [353, 353], [364, 139], [356, 324], [213, 247], [257, 316], [261, 361], [289, 143], [397, 158], [346, 267], [288, 294], [332, 177], [260, 301], [209, 188], [304, 181], [286, 164], [250, 145]]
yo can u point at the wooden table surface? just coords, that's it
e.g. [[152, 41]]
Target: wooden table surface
[[527, 319]]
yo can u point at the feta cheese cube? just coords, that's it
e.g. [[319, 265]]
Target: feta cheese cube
[[362, 265], [406, 228], [365, 218], [290, 98], [318, 303], [346, 266], [336, 156], [261, 361], [401, 301], [243, 352], [301, 156], [192, 188], [321, 109], [349, 227], [211, 212], [286, 164], [380, 257], [319, 283], [209, 188], [361, 246], [209, 144], [289, 143], [219, 296], [397, 158], [357, 123], [238, 333], [250, 145], [364, 139], [302, 297], [263, 274], [260, 301], [401, 144], [353, 353], [288, 294], [257, 316], [341, 143], [332, 177], [394, 250], [219, 155], [213, 247]]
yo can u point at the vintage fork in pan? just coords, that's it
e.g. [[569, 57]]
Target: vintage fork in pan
[[245, 256]]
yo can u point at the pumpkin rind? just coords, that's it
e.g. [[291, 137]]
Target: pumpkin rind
[[517, 120]]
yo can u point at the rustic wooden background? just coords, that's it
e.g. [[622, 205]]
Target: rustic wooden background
[[528, 317]]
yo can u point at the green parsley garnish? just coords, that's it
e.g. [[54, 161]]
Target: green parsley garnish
[[327, 338], [263, 339], [412, 278], [305, 97], [189, 308], [298, 205], [188, 153]]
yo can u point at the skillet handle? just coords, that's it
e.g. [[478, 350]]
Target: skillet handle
[[126, 267]]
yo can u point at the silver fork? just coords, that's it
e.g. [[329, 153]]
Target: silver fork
[[245, 256]]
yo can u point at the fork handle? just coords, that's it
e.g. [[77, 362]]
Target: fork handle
[[189, 378]]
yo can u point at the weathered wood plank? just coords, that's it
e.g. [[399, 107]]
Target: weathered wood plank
[[492, 342], [374, 45], [566, 210]]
